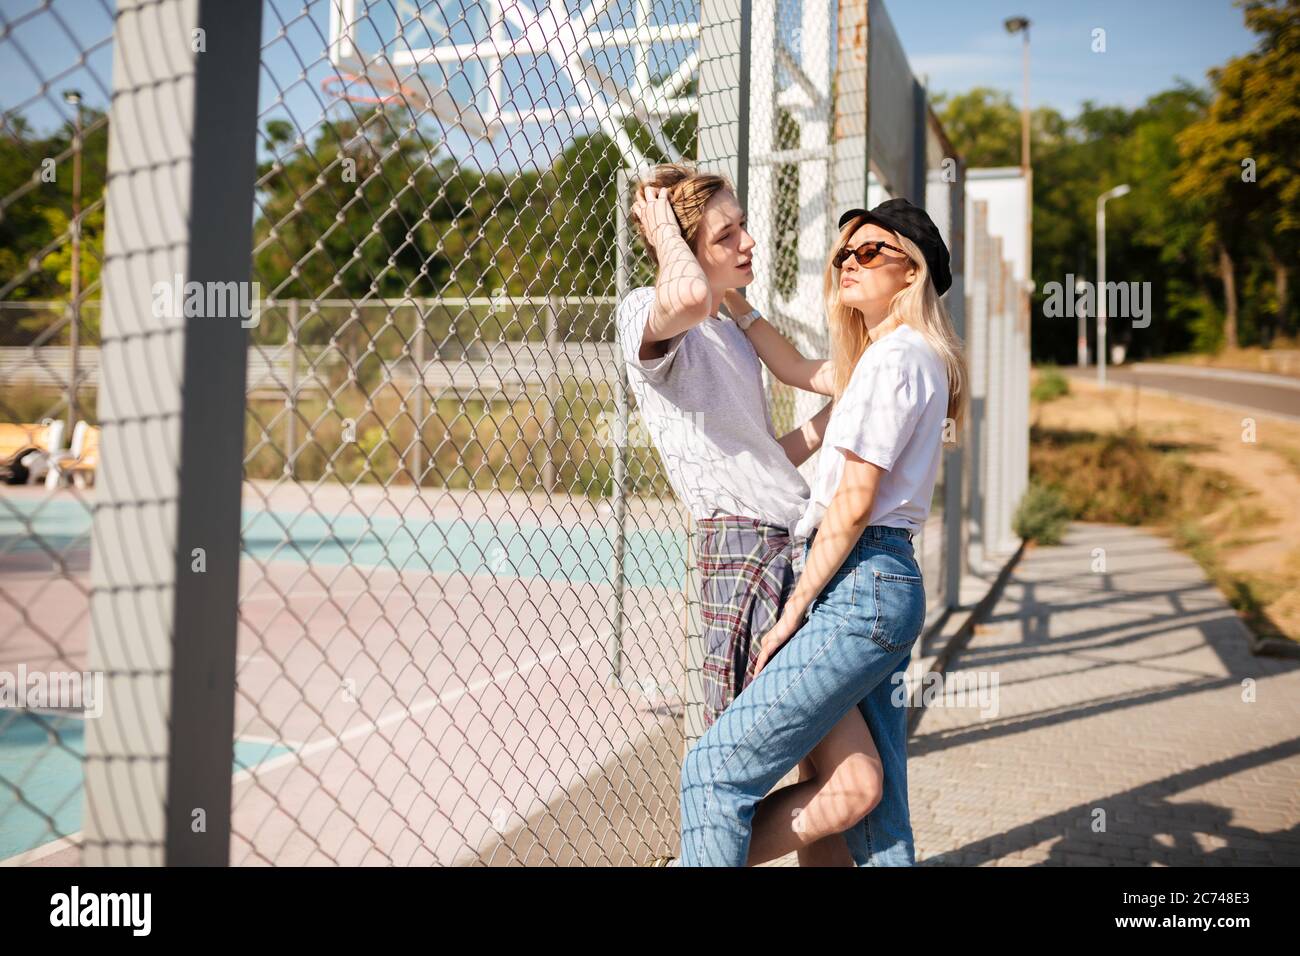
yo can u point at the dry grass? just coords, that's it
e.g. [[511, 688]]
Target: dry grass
[[1224, 486], [1283, 358]]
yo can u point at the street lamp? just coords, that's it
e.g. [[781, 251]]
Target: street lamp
[[1101, 277], [1020, 25], [1013, 26], [73, 99]]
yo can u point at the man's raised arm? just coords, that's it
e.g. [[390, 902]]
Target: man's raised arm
[[682, 296]]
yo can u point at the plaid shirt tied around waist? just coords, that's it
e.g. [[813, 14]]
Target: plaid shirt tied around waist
[[747, 571]]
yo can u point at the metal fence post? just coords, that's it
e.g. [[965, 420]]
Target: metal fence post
[[815, 222], [978, 343], [761, 204], [996, 460], [957, 461], [551, 311], [920, 140], [74, 285], [291, 399], [1017, 427], [417, 399], [166, 523], [1022, 396], [623, 285], [723, 131], [850, 164]]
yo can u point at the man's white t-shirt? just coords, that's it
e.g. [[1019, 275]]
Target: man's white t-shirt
[[706, 410], [892, 413]]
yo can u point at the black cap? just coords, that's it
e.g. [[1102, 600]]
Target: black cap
[[900, 216]]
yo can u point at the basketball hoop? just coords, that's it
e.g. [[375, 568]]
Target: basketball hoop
[[370, 40], [378, 83], [343, 83]]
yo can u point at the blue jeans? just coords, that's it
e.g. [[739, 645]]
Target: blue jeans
[[859, 633]]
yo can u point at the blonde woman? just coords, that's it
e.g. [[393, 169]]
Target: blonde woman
[[823, 695]]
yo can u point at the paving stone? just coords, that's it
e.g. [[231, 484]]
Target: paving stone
[[1120, 692]]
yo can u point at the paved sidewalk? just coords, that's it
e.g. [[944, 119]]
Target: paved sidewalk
[[1120, 700], [1120, 735]]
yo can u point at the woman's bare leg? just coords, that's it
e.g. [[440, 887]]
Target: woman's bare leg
[[845, 787], [829, 850]]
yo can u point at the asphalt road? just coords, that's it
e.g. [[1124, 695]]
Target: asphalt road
[[1258, 391]]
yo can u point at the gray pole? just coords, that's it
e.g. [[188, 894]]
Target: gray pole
[[1027, 167], [1081, 347], [291, 400], [1115, 193], [1101, 290], [417, 400], [165, 538], [623, 285], [955, 461], [1021, 25], [74, 332], [551, 322], [978, 329]]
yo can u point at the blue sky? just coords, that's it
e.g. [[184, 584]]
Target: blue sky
[[961, 44], [957, 43]]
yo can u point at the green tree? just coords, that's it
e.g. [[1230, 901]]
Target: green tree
[[1240, 165], [985, 124], [1272, 85], [35, 215], [369, 210]]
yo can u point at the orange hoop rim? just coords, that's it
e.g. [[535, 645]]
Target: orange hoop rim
[[337, 85]]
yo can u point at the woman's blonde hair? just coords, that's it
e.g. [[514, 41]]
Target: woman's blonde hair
[[917, 305], [688, 192]]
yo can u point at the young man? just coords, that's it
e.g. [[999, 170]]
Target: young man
[[698, 384]]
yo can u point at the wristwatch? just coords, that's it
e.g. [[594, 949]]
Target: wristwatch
[[746, 320]]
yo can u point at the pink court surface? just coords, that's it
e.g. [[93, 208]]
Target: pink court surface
[[421, 679]]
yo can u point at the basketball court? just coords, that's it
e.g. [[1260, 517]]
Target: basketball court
[[409, 690]]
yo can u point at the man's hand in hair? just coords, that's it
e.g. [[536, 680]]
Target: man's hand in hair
[[682, 296]]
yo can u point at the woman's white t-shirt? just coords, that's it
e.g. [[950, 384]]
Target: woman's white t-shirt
[[892, 414]]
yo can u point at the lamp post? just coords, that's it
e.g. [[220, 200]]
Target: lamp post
[[1020, 25], [1013, 26], [1101, 278], [1081, 342], [73, 99]]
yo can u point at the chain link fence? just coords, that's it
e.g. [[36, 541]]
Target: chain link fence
[[449, 614], [53, 164]]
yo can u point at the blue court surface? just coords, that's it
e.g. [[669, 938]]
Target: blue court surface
[[42, 754], [651, 557]]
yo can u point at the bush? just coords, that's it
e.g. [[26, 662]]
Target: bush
[[1122, 477], [1041, 516], [1050, 384]]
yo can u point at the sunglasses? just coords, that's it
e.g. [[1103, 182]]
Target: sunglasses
[[863, 253]]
